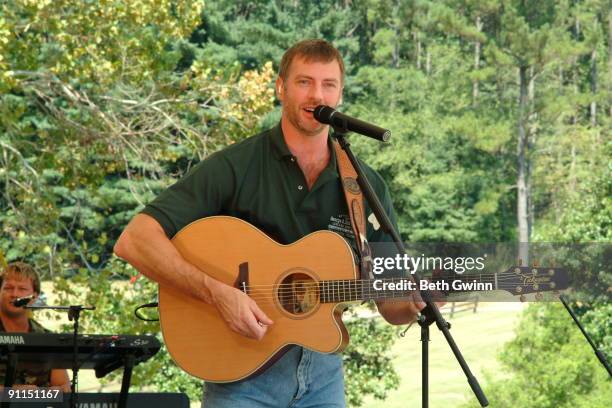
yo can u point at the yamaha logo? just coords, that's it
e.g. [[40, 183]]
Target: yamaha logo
[[11, 340]]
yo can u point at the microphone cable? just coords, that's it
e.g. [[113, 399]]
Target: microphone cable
[[139, 315]]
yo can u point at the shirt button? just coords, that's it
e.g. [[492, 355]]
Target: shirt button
[[300, 187]]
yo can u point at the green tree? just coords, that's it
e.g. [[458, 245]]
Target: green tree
[[96, 121], [126, 106], [550, 364], [491, 104]]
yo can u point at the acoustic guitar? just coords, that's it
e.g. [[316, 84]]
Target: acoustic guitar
[[303, 287]]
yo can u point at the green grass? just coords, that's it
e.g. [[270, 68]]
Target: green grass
[[479, 336]]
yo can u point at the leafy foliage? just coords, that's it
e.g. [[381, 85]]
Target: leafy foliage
[[115, 302], [104, 104], [551, 364], [368, 368]]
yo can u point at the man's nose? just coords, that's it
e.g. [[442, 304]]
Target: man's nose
[[316, 92]]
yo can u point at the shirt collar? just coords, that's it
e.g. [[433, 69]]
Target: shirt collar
[[281, 150], [279, 146]]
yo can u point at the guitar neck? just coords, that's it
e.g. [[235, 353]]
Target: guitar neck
[[337, 291]]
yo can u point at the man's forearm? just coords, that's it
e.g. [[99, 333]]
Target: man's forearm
[[145, 246], [59, 379]]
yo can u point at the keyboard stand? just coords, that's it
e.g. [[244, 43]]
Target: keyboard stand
[[128, 366]]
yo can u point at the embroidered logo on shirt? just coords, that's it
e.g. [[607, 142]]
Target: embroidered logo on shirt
[[341, 224]]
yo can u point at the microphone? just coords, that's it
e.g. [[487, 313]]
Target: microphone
[[22, 301], [343, 123]]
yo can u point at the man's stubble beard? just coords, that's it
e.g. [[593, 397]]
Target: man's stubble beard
[[295, 120], [7, 311]]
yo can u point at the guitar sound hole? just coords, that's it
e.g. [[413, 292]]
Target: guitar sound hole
[[298, 293]]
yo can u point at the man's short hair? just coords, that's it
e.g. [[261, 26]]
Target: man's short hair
[[316, 50], [22, 270]]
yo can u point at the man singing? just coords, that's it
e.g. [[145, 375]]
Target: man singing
[[284, 181]]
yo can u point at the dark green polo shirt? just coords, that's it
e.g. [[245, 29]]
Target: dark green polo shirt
[[259, 181]]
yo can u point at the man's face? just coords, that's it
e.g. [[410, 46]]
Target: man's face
[[14, 287], [307, 85]]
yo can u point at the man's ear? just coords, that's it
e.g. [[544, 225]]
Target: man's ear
[[279, 89]]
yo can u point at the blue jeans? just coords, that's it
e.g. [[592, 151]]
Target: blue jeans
[[300, 379]]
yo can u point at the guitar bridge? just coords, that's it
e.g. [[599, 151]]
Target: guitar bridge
[[242, 282]]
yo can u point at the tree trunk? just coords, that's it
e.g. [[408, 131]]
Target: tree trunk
[[594, 88], [575, 114], [574, 67], [610, 59], [396, 45], [417, 41], [477, 49], [531, 137], [573, 169], [522, 162]]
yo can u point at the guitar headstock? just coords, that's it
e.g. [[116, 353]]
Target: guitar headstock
[[522, 280]]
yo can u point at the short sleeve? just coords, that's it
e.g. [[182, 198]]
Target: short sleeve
[[202, 192]]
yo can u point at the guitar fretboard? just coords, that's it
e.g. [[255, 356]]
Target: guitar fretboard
[[336, 291]]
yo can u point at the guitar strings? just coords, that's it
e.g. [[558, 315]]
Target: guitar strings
[[292, 301], [360, 290], [352, 296], [350, 285], [335, 291], [367, 282], [337, 294]]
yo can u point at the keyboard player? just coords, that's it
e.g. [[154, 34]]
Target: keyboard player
[[19, 280]]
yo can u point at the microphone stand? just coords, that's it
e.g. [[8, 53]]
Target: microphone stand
[[74, 313], [600, 355], [430, 313]]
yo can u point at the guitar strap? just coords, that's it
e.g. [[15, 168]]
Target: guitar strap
[[356, 209]]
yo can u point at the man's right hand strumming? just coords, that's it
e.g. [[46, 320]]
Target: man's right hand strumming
[[239, 311], [145, 246]]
